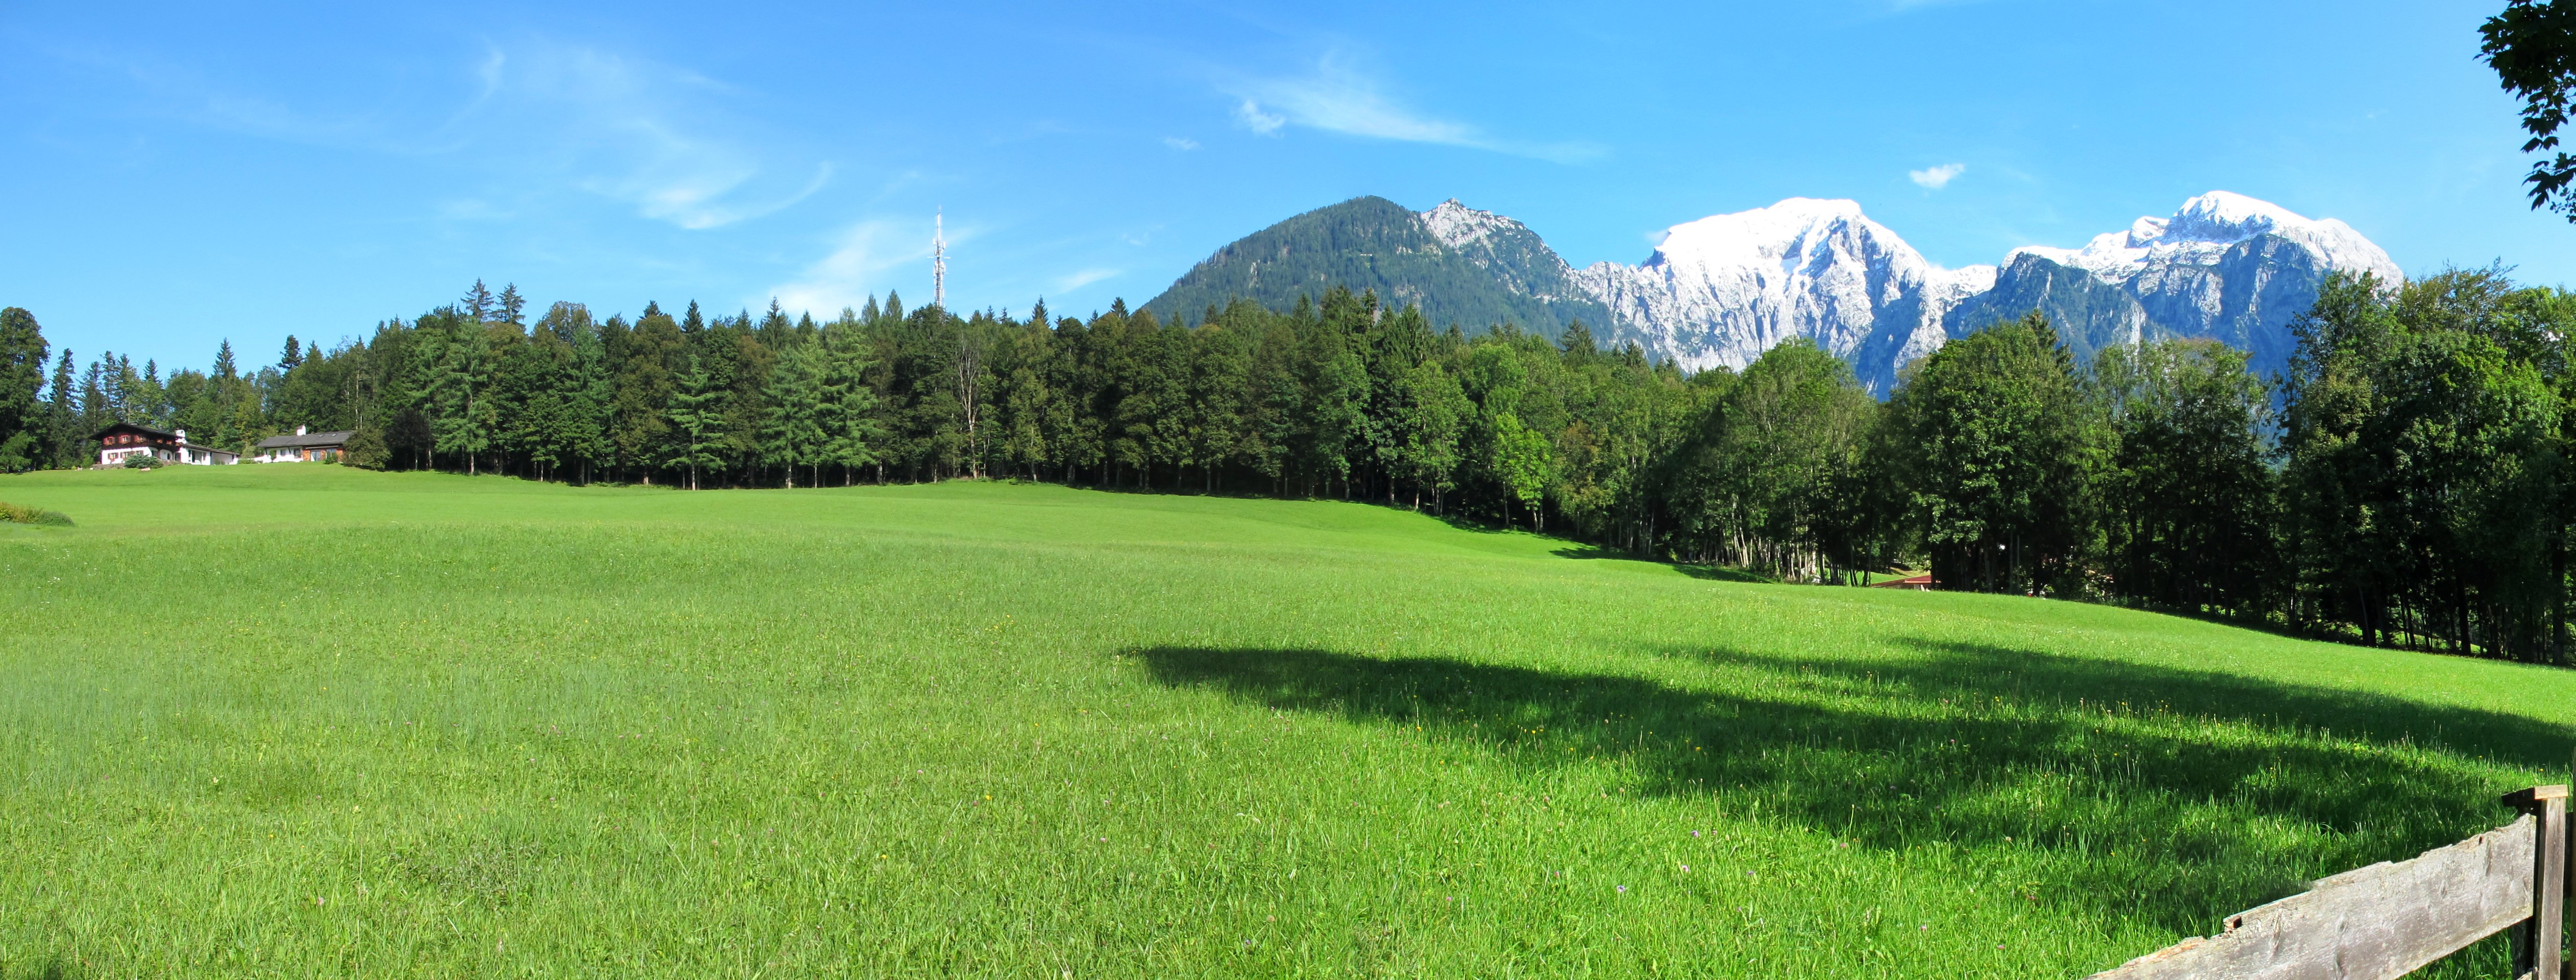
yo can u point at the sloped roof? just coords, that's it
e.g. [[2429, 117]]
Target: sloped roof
[[310, 439], [131, 427]]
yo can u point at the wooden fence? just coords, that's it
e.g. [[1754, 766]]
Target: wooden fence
[[2391, 918]]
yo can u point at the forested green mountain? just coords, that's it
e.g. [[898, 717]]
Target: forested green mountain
[[1463, 267]]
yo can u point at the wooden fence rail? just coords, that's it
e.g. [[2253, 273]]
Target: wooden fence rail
[[2389, 919]]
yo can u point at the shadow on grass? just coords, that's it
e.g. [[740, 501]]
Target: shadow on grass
[[2139, 792], [1714, 573]]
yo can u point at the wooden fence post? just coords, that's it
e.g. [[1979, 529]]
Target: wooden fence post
[[2538, 944]]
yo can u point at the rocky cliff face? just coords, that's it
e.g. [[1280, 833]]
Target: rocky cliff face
[[1519, 261], [2223, 266], [1721, 290]]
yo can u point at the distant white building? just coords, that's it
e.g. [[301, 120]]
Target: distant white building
[[126, 440], [301, 447]]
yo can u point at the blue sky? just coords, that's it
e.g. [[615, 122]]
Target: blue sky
[[180, 174]]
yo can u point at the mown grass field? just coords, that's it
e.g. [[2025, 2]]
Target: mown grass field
[[296, 721]]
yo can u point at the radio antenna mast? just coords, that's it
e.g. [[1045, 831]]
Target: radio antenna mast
[[938, 261]]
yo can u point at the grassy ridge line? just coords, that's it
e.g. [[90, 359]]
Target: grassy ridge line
[[632, 745]]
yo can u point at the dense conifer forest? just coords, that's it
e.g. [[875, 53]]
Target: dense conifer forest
[[2404, 483]]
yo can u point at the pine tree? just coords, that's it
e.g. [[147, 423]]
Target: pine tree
[[593, 403], [98, 409], [537, 412], [63, 417], [643, 362], [467, 418], [478, 303], [696, 420], [849, 405], [511, 304], [793, 434], [22, 380]]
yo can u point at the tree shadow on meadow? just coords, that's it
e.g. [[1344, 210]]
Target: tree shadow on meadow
[[2140, 792], [1714, 573]]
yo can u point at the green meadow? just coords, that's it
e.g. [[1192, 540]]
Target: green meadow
[[307, 721]]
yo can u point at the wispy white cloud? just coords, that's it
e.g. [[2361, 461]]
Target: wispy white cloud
[[180, 91], [1083, 278], [1264, 123], [862, 262], [1935, 178], [541, 116], [1181, 143], [1338, 97], [846, 276], [653, 136]]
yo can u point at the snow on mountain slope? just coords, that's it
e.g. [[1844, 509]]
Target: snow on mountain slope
[[2204, 228], [1723, 289], [2227, 266], [1515, 256]]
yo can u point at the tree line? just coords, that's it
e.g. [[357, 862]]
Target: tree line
[[2402, 484]]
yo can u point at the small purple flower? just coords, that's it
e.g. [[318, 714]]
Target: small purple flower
[[1623, 889]]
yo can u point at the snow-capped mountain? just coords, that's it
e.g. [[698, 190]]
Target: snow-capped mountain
[[1723, 289], [2204, 229], [2224, 265]]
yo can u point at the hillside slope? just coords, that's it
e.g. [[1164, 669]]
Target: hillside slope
[[1464, 267], [300, 720]]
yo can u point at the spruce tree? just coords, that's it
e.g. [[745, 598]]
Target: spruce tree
[[793, 434], [478, 303], [22, 380], [849, 405], [461, 382], [511, 304], [594, 403], [63, 416], [697, 423]]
